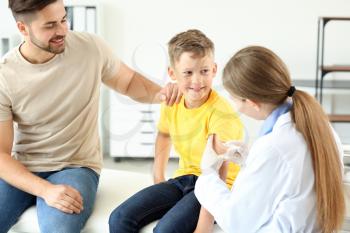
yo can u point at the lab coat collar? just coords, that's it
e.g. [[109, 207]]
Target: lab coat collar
[[283, 120], [271, 120]]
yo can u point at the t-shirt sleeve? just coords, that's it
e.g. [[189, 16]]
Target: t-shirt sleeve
[[5, 103], [226, 124], [111, 63], [163, 123]]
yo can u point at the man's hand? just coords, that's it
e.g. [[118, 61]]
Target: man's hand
[[170, 94], [64, 198]]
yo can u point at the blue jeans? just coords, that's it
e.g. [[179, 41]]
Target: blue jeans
[[13, 202], [173, 202]]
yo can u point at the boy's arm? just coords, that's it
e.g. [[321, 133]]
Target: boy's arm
[[162, 151], [219, 148]]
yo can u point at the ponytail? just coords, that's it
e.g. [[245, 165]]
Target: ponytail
[[311, 121]]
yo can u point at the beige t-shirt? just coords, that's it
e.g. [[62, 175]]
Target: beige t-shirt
[[55, 104]]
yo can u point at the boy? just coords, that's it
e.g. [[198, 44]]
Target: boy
[[200, 113]]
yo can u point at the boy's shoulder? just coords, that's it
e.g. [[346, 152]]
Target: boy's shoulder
[[220, 103]]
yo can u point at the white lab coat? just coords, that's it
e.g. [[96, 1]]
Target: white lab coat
[[274, 191]]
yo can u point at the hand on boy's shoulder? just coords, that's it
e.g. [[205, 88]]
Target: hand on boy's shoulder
[[169, 94]]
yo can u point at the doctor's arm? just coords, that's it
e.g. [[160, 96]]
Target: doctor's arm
[[242, 209], [134, 85], [13, 172], [206, 220]]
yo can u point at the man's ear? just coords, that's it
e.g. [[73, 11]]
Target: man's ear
[[22, 28], [171, 73], [254, 104]]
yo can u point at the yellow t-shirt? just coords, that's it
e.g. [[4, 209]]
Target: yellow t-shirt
[[189, 130]]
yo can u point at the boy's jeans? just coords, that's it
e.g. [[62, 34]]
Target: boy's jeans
[[13, 202], [173, 202]]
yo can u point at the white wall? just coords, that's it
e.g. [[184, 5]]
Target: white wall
[[287, 27], [139, 30]]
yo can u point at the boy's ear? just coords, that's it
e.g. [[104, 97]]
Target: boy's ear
[[255, 105], [215, 69], [171, 73]]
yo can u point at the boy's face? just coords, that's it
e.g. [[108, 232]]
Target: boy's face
[[194, 76], [48, 29]]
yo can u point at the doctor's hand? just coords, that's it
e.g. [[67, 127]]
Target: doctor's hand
[[170, 94], [63, 197], [237, 152], [216, 153]]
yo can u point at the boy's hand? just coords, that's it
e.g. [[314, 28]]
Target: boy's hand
[[170, 94], [158, 179]]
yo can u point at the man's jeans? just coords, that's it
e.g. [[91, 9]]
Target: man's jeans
[[173, 202], [13, 202]]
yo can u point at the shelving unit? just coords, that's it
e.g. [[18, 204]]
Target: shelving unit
[[133, 128], [83, 16], [322, 70]]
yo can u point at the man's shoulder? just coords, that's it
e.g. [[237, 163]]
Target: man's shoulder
[[80, 39], [8, 62], [9, 57], [83, 41]]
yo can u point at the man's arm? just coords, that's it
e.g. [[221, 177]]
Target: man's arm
[[130, 83], [13, 172], [162, 151]]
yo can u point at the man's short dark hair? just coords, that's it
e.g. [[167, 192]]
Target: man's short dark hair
[[23, 8]]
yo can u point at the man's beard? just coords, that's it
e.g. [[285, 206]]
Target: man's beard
[[47, 48]]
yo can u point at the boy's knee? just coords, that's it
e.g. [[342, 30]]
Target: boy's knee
[[170, 225], [121, 221], [166, 227]]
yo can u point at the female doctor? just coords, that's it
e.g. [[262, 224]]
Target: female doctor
[[291, 180]]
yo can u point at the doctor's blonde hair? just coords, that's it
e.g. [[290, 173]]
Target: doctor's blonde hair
[[258, 74]]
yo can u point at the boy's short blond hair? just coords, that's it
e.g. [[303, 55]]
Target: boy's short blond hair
[[193, 41]]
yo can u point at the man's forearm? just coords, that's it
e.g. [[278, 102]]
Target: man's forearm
[[17, 175], [142, 89]]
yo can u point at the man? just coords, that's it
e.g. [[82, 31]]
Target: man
[[49, 86]]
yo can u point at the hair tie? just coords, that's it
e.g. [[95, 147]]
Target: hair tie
[[291, 91]]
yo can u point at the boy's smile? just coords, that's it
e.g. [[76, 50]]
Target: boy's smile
[[194, 76]]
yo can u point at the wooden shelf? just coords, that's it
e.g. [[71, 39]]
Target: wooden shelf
[[321, 69], [336, 68], [335, 18], [339, 118]]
